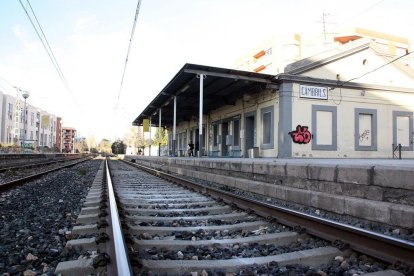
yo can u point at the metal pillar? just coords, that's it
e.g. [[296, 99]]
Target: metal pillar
[[159, 133], [174, 125], [149, 140], [200, 124]]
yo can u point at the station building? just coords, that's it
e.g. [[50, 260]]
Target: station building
[[354, 101]]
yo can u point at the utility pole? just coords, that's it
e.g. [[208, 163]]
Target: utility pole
[[324, 26]]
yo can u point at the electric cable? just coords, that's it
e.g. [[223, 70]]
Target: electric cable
[[127, 55], [48, 49], [375, 69]]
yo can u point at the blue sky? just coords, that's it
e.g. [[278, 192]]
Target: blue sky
[[90, 40]]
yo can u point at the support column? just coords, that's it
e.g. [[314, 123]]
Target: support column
[[174, 125], [159, 133], [285, 120], [149, 140], [200, 124]]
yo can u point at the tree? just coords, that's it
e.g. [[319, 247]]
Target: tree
[[105, 146], [118, 147], [135, 138], [164, 137], [81, 145], [91, 143]]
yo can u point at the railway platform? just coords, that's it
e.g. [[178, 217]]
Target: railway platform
[[379, 190]]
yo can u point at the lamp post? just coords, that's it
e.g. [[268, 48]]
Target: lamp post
[[25, 95]]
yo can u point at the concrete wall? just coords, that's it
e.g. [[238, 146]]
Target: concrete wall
[[378, 193]]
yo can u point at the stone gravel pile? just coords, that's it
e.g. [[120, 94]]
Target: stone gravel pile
[[222, 252], [36, 217], [192, 223], [216, 235]]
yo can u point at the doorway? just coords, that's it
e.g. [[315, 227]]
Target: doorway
[[224, 133], [250, 133]]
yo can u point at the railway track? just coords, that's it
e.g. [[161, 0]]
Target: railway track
[[35, 216], [16, 175], [172, 230]]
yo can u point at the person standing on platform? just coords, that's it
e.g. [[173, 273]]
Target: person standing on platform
[[191, 148]]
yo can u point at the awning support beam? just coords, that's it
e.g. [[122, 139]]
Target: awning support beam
[[229, 76], [200, 125], [174, 125], [159, 133]]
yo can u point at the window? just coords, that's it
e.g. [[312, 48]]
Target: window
[[32, 119], [215, 135], [10, 111], [324, 127], [31, 135], [267, 128], [267, 119], [365, 129], [236, 133], [402, 129]]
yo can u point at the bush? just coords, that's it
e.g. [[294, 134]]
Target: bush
[[83, 171]]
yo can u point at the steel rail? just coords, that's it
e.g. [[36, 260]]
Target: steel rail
[[14, 183], [386, 248], [122, 264], [29, 165]]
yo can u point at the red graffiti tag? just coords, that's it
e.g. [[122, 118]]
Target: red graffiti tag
[[301, 135]]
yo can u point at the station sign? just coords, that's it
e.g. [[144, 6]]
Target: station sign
[[145, 124], [313, 92]]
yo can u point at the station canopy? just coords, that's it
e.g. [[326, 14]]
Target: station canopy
[[220, 87]]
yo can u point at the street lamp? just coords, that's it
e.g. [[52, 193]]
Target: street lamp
[[25, 95]]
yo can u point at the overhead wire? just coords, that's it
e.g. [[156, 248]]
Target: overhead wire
[[127, 55], [42, 37], [375, 69]]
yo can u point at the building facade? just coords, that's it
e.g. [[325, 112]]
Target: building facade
[[274, 54], [355, 101], [68, 139], [24, 125]]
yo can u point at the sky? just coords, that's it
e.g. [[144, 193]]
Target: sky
[[90, 38]]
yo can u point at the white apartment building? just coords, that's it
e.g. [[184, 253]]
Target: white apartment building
[[47, 130], [1, 115], [29, 126], [10, 122]]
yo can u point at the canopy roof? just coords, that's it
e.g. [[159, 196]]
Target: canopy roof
[[221, 87]]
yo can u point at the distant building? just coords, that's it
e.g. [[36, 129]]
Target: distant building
[[59, 133], [27, 126], [10, 123], [1, 115], [68, 139]]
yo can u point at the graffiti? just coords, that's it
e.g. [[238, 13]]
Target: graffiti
[[364, 135], [301, 135]]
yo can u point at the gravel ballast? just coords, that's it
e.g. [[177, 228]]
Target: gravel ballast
[[36, 216]]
